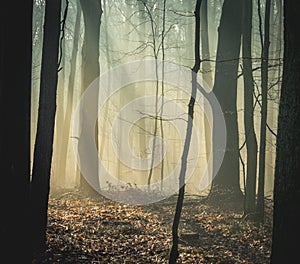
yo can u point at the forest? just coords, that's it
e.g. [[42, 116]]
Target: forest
[[150, 131]]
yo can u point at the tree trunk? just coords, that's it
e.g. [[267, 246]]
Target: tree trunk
[[275, 78], [226, 184], [174, 250], [264, 112], [155, 50], [163, 34], [45, 128], [70, 95], [60, 113], [92, 12], [250, 137], [206, 64], [207, 76], [286, 229], [15, 99]]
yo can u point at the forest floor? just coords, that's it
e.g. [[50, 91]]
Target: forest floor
[[85, 230]]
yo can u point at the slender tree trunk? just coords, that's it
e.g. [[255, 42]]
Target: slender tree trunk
[[206, 64], [60, 113], [70, 95], [207, 76], [155, 54], [250, 137], [141, 38], [264, 111], [163, 34], [174, 250], [15, 99], [45, 129], [286, 229], [226, 184]]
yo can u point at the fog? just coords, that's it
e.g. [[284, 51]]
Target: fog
[[141, 125]]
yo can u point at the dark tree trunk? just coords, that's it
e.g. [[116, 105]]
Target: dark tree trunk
[[92, 12], [45, 128], [264, 112], [226, 183], [286, 228], [15, 98], [174, 250], [250, 137]]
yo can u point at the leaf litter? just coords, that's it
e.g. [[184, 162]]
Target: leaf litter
[[97, 230]]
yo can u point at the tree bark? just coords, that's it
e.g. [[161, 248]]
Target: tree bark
[[15, 100], [286, 229], [250, 137], [45, 128], [264, 112], [226, 184]]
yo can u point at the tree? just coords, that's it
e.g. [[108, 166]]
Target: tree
[[174, 250], [15, 98], [70, 94], [157, 47], [265, 43], [92, 12], [286, 229], [227, 180], [155, 51], [250, 137], [60, 112], [163, 34], [206, 72], [45, 128], [206, 64]]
